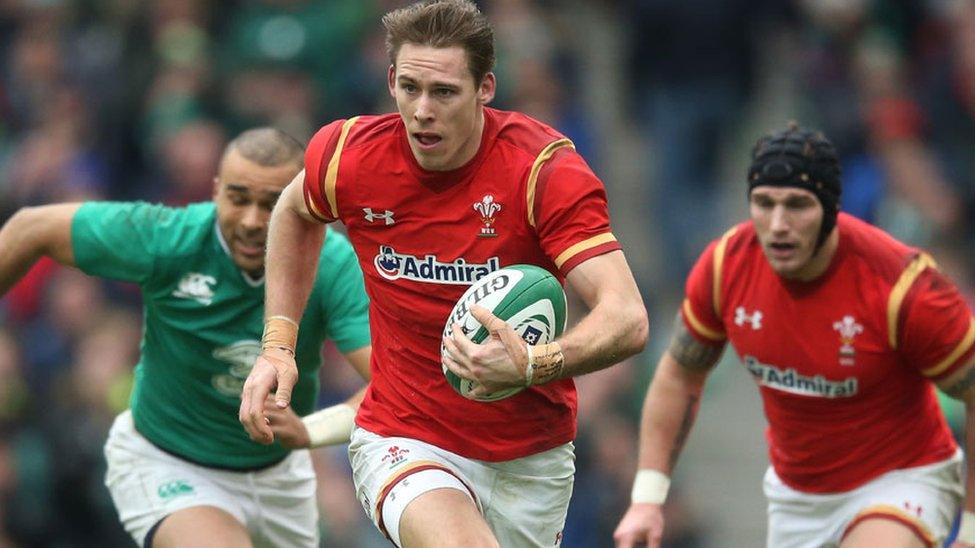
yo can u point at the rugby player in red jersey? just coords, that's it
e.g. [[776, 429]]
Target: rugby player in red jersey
[[435, 197], [846, 332]]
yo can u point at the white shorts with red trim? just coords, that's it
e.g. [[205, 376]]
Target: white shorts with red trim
[[926, 499], [524, 501]]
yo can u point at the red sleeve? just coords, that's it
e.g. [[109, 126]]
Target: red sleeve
[[317, 157], [698, 308], [936, 327], [571, 213]]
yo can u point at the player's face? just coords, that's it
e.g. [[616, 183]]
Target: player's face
[[787, 222], [440, 103], [245, 193]]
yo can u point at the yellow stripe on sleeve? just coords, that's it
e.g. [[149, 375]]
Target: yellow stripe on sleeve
[[897, 294], [964, 346], [698, 326], [312, 208], [540, 160], [582, 246], [719, 252], [332, 173]]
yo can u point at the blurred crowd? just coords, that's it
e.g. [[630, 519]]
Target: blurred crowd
[[135, 99]]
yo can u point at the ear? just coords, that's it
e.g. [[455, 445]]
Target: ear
[[391, 80], [216, 186], [485, 92]]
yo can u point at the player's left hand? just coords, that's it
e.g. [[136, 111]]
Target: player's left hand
[[499, 362], [959, 544], [286, 425]]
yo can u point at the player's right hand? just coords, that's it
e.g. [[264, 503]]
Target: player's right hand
[[274, 369], [643, 523]]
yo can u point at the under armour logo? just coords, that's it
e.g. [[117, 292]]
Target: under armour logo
[[755, 318], [386, 215]]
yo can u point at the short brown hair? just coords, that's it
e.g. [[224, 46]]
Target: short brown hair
[[442, 24]]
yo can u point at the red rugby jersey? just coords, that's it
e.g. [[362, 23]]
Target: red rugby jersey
[[423, 237], [843, 362]]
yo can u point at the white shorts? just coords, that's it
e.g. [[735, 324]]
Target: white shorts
[[276, 504], [524, 501], [925, 499]]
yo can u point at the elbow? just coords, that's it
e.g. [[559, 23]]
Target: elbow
[[637, 330]]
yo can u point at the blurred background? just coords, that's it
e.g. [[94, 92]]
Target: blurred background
[[135, 99]]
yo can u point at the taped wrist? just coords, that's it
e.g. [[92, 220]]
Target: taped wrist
[[545, 363], [280, 332], [650, 486], [330, 426]]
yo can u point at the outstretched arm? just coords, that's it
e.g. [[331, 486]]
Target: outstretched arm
[[669, 411], [34, 232], [294, 241]]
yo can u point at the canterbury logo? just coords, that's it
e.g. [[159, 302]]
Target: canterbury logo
[[386, 215], [196, 286], [174, 489]]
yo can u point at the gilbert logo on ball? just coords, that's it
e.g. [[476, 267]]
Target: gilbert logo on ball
[[527, 297]]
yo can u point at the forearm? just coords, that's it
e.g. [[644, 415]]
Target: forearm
[[669, 412], [293, 248], [611, 332], [31, 234]]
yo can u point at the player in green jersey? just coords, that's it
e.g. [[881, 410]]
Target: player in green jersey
[[181, 469]]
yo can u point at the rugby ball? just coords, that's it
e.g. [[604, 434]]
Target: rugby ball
[[527, 297]]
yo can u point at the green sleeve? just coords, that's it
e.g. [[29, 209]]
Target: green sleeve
[[124, 240], [345, 305]]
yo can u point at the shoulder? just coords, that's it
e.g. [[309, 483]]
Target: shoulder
[[738, 243], [524, 133], [147, 216], [353, 132], [733, 251], [879, 252], [335, 139]]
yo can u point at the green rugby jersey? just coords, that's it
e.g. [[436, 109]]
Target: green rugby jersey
[[203, 320]]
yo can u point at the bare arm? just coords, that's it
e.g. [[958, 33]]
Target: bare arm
[[673, 398], [294, 242], [34, 232], [359, 360], [961, 386], [616, 326], [669, 411]]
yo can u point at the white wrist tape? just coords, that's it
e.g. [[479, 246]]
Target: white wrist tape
[[330, 426], [650, 486], [966, 528]]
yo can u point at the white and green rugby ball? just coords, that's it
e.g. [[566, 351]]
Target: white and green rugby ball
[[527, 297]]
